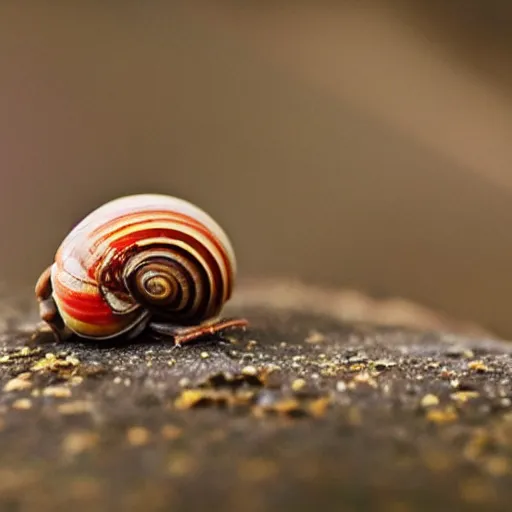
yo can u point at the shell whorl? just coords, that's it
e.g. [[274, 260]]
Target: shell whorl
[[141, 256]]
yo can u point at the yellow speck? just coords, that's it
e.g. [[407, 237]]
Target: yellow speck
[[315, 337], [365, 378], [22, 404], [498, 466], [181, 464], [298, 384], [478, 366], [476, 444], [286, 406], [189, 398], [341, 386], [205, 355], [429, 400], [17, 384], [184, 382], [57, 392], [171, 432], [441, 416], [354, 416], [137, 436], [249, 371], [75, 407], [78, 442], [464, 396], [73, 360], [76, 380], [319, 406]]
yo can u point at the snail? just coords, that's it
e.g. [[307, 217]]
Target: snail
[[146, 261]]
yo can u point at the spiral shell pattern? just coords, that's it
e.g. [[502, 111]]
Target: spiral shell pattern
[[141, 257]]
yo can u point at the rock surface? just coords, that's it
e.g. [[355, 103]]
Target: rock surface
[[300, 411]]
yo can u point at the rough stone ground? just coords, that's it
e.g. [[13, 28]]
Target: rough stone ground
[[300, 412]]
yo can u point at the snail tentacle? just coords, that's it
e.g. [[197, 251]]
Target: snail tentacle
[[48, 311], [180, 334]]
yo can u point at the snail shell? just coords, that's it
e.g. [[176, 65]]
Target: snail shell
[[135, 261]]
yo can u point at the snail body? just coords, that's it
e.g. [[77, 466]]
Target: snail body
[[137, 262]]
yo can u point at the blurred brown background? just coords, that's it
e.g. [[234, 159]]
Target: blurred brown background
[[359, 144]]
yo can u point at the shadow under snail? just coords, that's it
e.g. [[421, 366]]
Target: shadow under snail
[[139, 262]]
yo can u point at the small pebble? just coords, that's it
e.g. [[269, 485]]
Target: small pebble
[[171, 432], [75, 407], [478, 366], [181, 464], [464, 396], [205, 355], [441, 416], [137, 436], [249, 371], [78, 442], [22, 404], [17, 384], [341, 386], [184, 382], [76, 380], [383, 364], [315, 337], [429, 400], [57, 392], [298, 384], [73, 360]]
